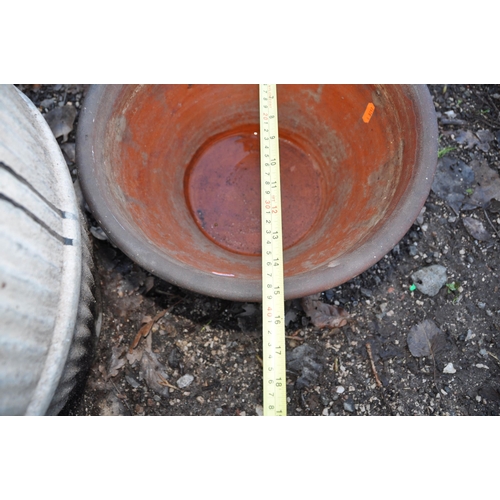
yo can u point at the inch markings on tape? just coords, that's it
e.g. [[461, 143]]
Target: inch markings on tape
[[273, 296]]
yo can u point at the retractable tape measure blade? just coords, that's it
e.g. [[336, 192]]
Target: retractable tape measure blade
[[273, 297]]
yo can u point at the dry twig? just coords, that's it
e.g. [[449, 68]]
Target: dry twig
[[165, 383], [144, 331], [494, 357], [374, 370], [124, 399], [336, 365], [293, 337], [491, 223]]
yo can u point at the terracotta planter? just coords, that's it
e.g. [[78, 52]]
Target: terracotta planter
[[171, 172]]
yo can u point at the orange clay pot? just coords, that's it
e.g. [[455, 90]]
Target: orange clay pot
[[172, 174]]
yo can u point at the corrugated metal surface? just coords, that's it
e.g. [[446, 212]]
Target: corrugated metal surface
[[40, 258]]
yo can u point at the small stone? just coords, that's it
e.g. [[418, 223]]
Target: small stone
[[429, 280], [476, 229], [323, 398], [340, 389], [184, 381], [47, 103], [259, 410], [98, 233], [470, 335], [449, 368], [349, 406], [420, 218], [325, 412], [132, 382], [69, 150]]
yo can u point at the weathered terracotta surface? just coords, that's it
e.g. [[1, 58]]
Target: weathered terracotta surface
[[178, 168], [223, 191]]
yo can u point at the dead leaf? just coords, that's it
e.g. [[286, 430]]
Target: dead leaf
[[293, 309], [127, 304], [487, 183], [149, 283], [324, 315], [467, 138], [453, 178], [248, 310], [61, 120], [494, 206], [305, 362], [152, 371], [134, 356], [249, 320], [144, 331], [485, 137], [425, 339], [481, 139], [116, 362], [476, 229]]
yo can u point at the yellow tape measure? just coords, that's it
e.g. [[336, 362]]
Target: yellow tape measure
[[273, 296]]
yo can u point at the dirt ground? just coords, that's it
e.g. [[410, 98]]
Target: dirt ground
[[404, 350]]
